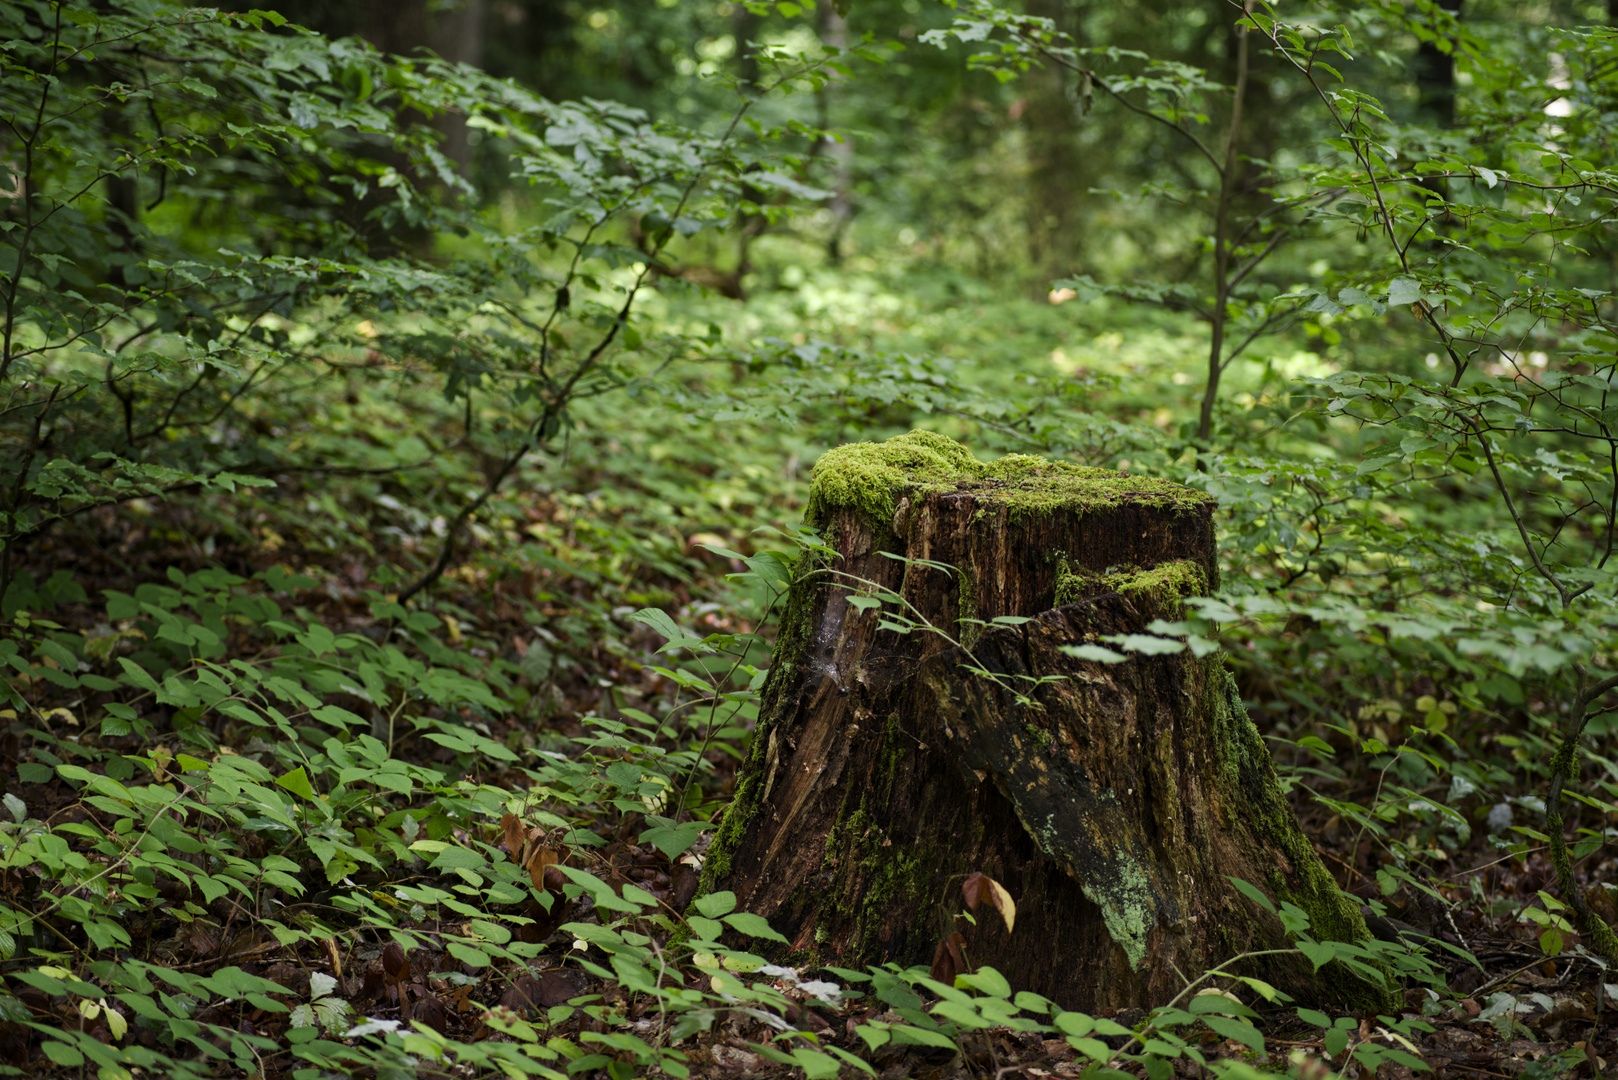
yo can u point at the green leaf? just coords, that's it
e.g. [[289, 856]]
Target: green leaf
[[136, 675], [1311, 1016], [659, 621], [1031, 1003], [454, 857], [1403, 292], [1317, 744], [1239, 1030], [916, 1036], [1320, 953], [297, 782], [1143, 643], [716, 904], [1217, 1001], [600, 891], [960, 1012], [233, 982], [674, 840], [1265, 990], [816, 1065], [754, 926], [1253, 893], [1094, 1049], [63, 1054], [987, 980], [468, 955], [1093, 653]]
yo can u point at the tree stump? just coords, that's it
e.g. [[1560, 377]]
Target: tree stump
[[1113, 801]]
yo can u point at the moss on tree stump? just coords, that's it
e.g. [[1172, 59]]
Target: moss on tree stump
[[1114, 801]]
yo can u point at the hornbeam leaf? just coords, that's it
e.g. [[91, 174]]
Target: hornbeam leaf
[[754, 926], [1093, 652], [1145, 643], [1403, 291]]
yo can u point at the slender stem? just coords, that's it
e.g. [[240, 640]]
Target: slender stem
[[1516, 518]]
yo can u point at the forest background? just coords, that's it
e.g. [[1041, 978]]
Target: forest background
[[405, 424]]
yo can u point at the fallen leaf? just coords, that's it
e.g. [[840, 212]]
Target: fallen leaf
[[947, 960]]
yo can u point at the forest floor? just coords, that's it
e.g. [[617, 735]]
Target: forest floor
[[1529, 1006]]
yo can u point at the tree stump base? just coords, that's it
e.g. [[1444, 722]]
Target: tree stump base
[[1113, 801]]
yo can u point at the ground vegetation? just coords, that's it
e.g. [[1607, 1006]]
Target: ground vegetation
[[406, 433]]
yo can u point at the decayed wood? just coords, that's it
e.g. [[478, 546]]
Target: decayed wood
[[886, 767]]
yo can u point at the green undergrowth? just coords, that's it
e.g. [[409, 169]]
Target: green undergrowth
[[243, 843]]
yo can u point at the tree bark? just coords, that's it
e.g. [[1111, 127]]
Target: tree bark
[[1058, 177], [1113, 801], [834, 32], [1435, 77]]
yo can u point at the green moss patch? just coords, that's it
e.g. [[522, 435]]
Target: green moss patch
[[1166, 583], [870, 478]]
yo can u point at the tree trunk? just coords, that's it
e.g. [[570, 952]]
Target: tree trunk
[[458, 36], [1058, 177], [1435, 77], [834, 32], [1113, 801]]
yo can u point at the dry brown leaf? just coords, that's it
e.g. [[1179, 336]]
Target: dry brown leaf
[[972, 890], [948, 960], [1003, 903]]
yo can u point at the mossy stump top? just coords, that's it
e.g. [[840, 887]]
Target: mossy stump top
[[873, 478], [1020, 530]]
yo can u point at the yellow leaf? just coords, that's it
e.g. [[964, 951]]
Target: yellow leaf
[[1003, 903]]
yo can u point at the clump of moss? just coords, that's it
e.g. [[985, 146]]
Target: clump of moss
[[870, 477], [1165, 584]]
